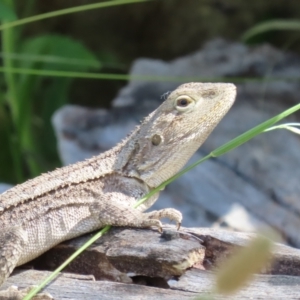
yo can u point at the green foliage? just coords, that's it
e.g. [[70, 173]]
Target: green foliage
[[24, 119], [55, 51], [6, 12], [50, 52]]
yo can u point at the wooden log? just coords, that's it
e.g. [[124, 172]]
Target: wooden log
[[144, 264]]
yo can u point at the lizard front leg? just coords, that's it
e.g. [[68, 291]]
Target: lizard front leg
[[116, 213], [114, 201]]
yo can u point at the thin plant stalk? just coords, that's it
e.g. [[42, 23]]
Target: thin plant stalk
[[66, 11], [12, 100]]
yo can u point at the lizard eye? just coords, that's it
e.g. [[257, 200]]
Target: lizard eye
[[183, 103]]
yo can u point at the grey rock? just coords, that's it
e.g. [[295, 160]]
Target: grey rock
[[4, 187]]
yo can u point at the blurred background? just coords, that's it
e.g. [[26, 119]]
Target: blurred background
[[116, 58]]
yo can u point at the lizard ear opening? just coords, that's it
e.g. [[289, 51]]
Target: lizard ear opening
[[184, 103], [156, 139]]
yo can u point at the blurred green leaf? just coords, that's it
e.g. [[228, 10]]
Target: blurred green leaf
[[61, 47], [55, 94], [6, 12], [271, 25], [49, 52], [58, 52]]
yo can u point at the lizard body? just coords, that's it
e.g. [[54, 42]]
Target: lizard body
[[102, 190]]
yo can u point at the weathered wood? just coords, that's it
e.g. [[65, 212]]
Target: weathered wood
[[262, 287], [65, 287], [126, 253], [143, 264], [148, 253], [220, 244]]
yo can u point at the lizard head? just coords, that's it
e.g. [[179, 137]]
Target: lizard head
[[170, 135]]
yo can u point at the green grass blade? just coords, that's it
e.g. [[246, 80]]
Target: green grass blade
[[8, 45], [245, 137], [70, 10], [51, 59], [271, 25], [23, 141], [108, 76], [287, 126]]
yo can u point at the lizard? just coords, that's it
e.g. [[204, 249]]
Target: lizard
[[80, 198]]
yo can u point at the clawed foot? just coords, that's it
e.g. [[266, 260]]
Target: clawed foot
[[170, 213]]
